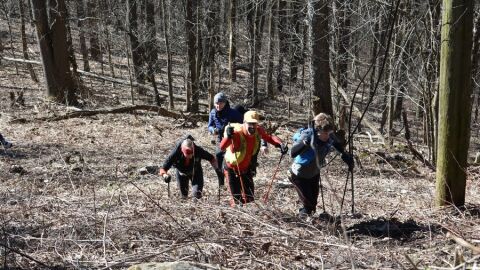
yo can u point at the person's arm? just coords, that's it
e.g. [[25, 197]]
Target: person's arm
[[211, 122], [226, 142], [298, 148], [271, 139], [171, 159], [203, 154]]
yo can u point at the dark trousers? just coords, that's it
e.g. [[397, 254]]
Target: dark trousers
[[240, 195], [219, 155], [197, 183], [307, 189]]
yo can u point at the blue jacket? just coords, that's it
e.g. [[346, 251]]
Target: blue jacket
[[304, 154], [220, 119]]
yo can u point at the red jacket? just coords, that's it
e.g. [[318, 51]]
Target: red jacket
[[244, 164]]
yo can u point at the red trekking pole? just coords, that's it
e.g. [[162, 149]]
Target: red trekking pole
[[265, 197]]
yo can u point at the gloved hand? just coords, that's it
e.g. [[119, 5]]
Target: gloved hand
[[283, 148], [347, 158], [229, 132], [167, 178]]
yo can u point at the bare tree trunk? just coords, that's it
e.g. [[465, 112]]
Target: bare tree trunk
[[12, 47], [270, 46], [455, 101], [191, 50], [52, 36], [282, 42], [166, 23], [81, 33], [103, 13], [232, 46], [321, 60], [33, 76], [95, 50], [151, 51], [134, 43]]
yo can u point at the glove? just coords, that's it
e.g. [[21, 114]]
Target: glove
[[283, 149], [229, 132], [347, 158], [166, 178]]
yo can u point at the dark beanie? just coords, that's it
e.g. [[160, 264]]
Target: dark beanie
[[220, 97]]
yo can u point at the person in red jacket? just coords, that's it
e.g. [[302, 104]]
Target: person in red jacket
[[241, 143]]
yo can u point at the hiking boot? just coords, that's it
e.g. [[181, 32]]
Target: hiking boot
[[6, 144], [304, 212]]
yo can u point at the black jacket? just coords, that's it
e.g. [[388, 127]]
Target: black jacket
[[177, 159]]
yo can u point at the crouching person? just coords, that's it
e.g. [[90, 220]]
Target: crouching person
[[241, 143], [186, 158], [309, 150]]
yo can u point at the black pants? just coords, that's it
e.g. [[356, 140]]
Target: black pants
[[239, 194], [197, 183], [307, 189]]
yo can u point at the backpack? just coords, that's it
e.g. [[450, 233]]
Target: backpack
[[308, 155]]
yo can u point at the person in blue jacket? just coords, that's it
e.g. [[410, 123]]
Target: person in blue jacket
[[311, 146], [5, 144], [218, 119]]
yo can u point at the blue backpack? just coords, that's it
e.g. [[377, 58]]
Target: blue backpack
[[308, 155]]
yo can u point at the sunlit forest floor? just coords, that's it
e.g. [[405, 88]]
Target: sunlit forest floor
[[72, 195]]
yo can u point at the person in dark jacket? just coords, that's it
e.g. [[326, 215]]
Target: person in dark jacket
[[219, 118], [186, 158], [5, 144], [309, 150]]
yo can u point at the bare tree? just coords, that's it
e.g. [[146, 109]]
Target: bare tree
[[455, 102], [52, 40], [21, 5]]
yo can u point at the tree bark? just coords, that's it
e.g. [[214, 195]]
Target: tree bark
[[95, 50], [454, 101], [231, 43], [191, 51], [271, 35], [321, 61], [33, 76], [80, 4], [52, 36], [166, 23], [134, 43]]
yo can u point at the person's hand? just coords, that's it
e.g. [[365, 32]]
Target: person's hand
[[347, 158], [283, 149], [215, 131], [229, 132], [165, 176], [264, 150]]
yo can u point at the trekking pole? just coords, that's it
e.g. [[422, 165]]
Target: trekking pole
[[168, 189], [321, 191], [344, 191], [265, 197]]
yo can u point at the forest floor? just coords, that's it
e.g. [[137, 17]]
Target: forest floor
[[72, 196]]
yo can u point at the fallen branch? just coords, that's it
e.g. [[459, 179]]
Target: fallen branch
[[127, 109], [109, 79], [462, 242]]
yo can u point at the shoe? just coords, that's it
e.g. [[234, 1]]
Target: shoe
[[6, 144], [304, 212]]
